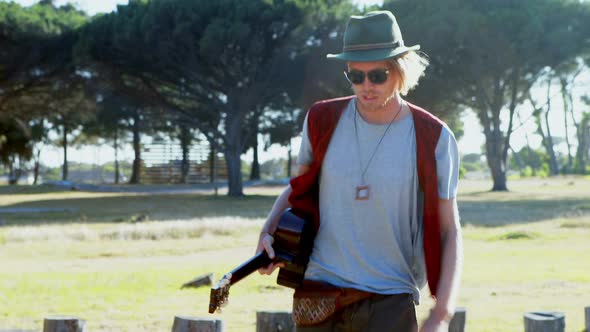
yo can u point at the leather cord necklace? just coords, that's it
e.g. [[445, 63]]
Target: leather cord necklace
[[363, 191]]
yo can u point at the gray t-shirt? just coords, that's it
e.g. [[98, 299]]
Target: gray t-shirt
[[375, 244]]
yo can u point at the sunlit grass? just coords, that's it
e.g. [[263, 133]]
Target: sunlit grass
[[525, 250]]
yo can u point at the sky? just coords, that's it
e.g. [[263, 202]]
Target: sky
[[471, 141]]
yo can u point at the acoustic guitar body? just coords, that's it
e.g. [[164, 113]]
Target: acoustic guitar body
[[293, 242]]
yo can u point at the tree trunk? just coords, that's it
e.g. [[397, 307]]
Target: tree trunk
[[12, 175], [496, 163], [233, 152], [498, 169], [213, 167], [289, 160], [234, 172], [585, 138], [549, 146], [117, 174], [135, 175], [566, 108], [36, 168], [212, 163], [64, 174], [255, 171], [185, 143], [490, 107], [546, 138]]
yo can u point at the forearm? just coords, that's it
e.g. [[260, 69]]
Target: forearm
[[450, 274], [281, 203], [452, 261]]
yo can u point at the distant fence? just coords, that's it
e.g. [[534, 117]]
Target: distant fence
[[274, 321], [162, 164]]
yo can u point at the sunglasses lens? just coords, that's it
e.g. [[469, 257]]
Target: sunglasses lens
[[378, 76], [355, 76]]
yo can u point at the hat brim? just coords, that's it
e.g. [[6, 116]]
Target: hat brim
[[372, 55]]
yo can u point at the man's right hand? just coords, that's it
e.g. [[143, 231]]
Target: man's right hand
[[265, 243]]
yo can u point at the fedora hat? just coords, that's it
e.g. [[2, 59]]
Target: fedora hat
[[372, 37]]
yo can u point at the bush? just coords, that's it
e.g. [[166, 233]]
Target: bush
[[526, 172]]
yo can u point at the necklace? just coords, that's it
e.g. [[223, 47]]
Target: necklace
[[363, 191]]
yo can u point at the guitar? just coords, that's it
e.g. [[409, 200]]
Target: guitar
[[293, 241]]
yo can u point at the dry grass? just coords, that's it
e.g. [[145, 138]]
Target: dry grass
[[180, 229]]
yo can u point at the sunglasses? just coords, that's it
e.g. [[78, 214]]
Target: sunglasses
[[375, 76]]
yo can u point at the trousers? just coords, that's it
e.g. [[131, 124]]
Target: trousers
[[378, 313]]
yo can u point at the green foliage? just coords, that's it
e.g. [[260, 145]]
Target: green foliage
[[486, 54], [531, 161], [462, 172], [274, 169], [35, 61], [40, 20], [473, 162], [38, 38], [14, 142]]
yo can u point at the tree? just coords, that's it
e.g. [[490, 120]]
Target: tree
[[69, 109], [583, 151], [212, 62], [15, 147], [35, 45], [531, 159], [541, 115], [35, 52], [492, 52], [122, 108]]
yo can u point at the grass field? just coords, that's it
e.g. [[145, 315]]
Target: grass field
[[117, 260]]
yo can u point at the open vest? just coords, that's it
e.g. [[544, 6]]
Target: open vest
[[322, 120]]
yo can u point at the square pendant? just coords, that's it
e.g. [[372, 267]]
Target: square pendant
[[362, 193]]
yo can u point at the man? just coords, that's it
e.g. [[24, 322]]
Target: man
[[378, 177]]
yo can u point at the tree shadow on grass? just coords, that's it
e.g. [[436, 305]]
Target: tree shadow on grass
[[136, 208], [500, 213], [162, 207]]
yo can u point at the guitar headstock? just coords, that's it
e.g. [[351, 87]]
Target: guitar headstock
[[219, 294]]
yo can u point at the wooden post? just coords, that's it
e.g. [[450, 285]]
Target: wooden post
[[457, 324], [587, 312], [274, 321], [63, 324], [544, 321], [196, 324]]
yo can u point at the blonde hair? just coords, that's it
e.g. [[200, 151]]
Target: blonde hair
[[408, 68]]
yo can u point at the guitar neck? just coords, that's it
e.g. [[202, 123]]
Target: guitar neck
[[260, 260]]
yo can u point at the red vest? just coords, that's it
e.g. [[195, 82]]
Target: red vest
[[323, 117]]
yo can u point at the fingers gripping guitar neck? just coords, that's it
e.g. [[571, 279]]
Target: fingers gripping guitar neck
[[293, 241]]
